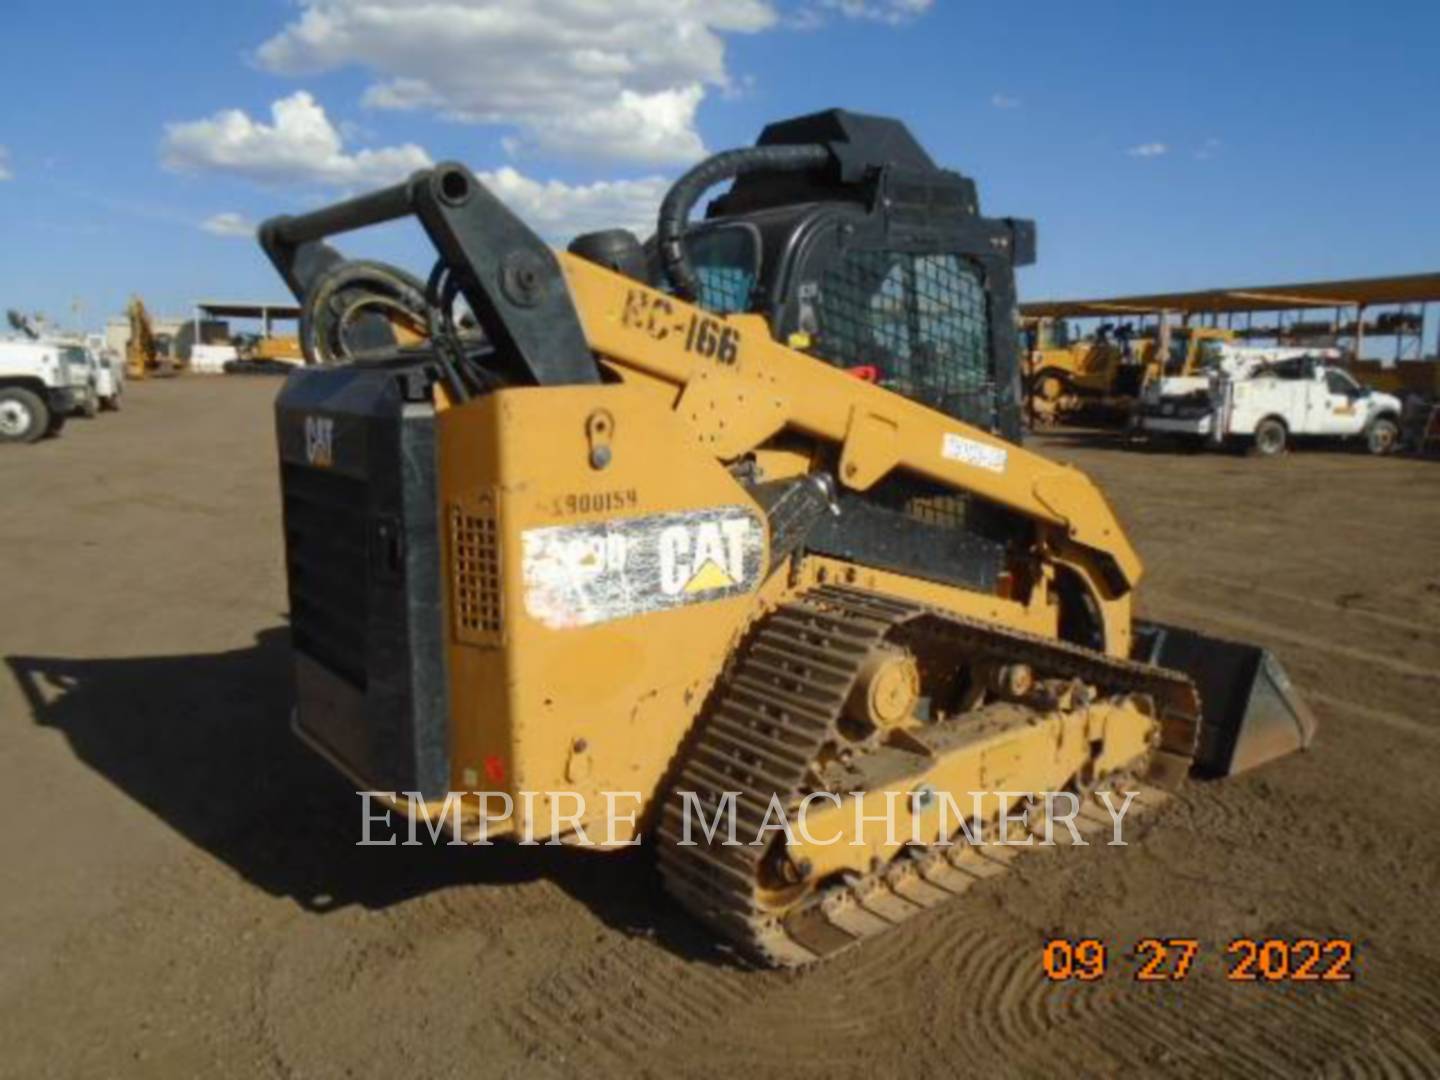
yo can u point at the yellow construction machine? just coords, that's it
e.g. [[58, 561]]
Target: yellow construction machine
[[731, 523], [278, 349], [1104, 373], [272, 354], [143, 355]]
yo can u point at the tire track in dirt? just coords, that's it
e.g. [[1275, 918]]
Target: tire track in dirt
[[831, 1019], [1208, 1026], [315, 1000], [1405, 724], [985, 991], [1349, 611], [982, 973], [1406, 1055], [981, 986], [662, 999], [1015, 1002], [1219, 810], [961, 973], [1363, 711], [1263, 629]]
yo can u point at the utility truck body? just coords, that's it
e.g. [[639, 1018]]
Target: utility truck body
[[1268, 397]]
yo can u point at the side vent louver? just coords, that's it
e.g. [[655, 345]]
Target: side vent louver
[[475, 571]]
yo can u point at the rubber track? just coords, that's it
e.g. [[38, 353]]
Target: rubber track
[[774, 711]]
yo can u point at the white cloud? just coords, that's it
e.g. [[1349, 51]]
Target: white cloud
[[1003, 101], [5, 171], [893, 12], [1149, 149], [580, 78], [1208, 149], [299, 145], [559, 211], [229, 223], [653, 128], [803, 19], [302, 146]]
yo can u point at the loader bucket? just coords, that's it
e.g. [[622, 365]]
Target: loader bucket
[[1250, 712]]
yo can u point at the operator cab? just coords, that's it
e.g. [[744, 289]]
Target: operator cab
[[860, 250], [916, 322]]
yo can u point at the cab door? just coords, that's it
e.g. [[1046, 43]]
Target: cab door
[[1336, 408]]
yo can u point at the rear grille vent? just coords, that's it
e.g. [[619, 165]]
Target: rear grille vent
[[475, 577], [326, 564]]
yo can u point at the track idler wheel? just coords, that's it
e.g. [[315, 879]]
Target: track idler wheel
[[885, 693]]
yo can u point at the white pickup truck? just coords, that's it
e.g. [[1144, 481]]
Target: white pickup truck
[[1267, 398], [36, 388]]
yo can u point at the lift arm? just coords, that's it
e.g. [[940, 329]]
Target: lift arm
[[739, 387]]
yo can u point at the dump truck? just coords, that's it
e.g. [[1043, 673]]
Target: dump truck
[[737, 520]]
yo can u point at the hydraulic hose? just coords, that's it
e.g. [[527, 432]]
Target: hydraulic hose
[[356, 293], [686, 192]]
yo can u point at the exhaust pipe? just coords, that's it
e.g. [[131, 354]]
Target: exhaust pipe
[[1250, 711]]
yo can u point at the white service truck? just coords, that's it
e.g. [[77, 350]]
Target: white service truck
[[36, 388], [1266, 399], [84, 379], [109, 377]]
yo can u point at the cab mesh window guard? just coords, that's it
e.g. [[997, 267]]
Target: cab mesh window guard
[[725, 289], [918, 318]]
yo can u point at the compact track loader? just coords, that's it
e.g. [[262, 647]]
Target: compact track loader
[[735, 518]]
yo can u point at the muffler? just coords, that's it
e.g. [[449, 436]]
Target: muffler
[[1250, 711]]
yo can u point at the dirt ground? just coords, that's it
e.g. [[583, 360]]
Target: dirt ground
[[182, 894]]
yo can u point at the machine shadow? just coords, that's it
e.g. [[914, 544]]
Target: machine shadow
[[203, 742]]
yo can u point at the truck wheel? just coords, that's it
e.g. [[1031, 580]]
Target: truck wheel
[[1382, 435], [23, 416], [1270, 436], [90, 404]]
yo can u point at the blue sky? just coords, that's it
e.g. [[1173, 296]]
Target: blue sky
[[1158, 145]]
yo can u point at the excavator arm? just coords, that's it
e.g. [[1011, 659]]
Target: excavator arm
[[141, 352]]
